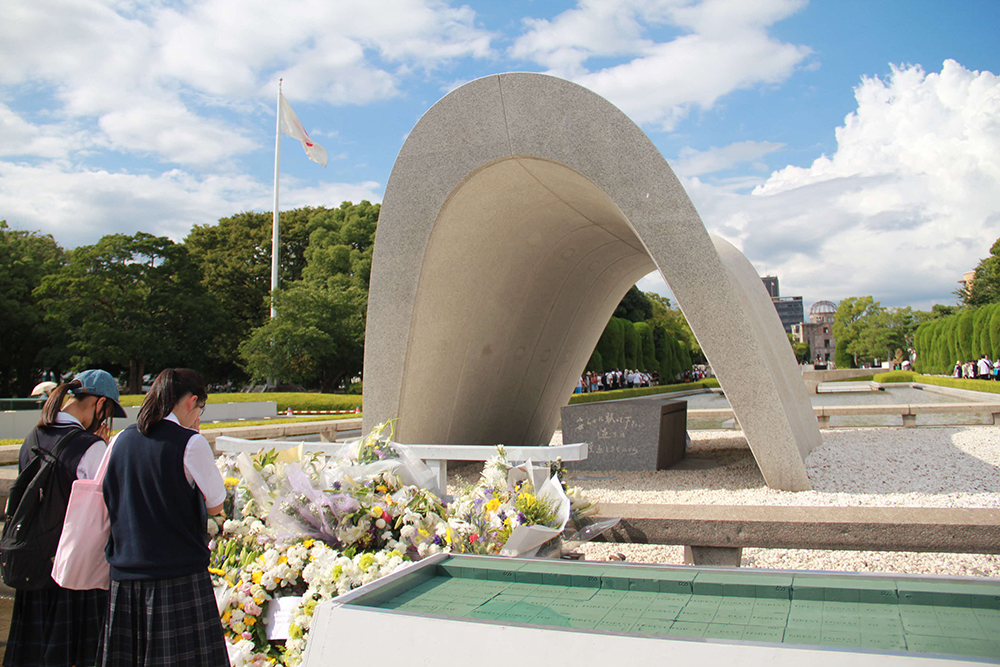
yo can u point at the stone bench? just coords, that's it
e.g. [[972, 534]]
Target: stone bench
[[717, 534], [435, 456]]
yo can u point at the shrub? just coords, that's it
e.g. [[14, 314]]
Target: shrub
[[963, 336], [632, 350], [988, 386], [294, 400], [647, 346], [896, 376], [596, 363]]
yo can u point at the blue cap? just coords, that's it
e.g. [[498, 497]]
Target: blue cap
[[99, 383]]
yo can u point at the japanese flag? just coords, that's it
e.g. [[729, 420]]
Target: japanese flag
[[291, 126]]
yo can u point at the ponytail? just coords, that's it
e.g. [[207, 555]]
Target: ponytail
[[54, 403], [169, 387]]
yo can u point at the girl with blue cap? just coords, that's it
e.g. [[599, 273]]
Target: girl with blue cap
[[55, 626]]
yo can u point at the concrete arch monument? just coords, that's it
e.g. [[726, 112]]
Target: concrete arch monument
[[519, 211]]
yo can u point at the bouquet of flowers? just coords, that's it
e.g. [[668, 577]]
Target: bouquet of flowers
[[510, 511]]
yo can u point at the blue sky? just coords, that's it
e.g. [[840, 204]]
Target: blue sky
[[849, 147]]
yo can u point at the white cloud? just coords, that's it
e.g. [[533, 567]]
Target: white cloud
[[691, 162], [719, 46], [148, 77], [78, 206], [56, 140], [907, 203]]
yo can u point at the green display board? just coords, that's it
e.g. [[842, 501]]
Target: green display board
[[905, 614]]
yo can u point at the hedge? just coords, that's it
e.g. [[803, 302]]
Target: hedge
[[294, 400], [642, 391], [989, 386]]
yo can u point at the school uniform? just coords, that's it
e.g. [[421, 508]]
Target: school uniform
[[59, 627], [162, 610]]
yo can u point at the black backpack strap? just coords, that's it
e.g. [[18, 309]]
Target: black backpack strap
[[60, 443]]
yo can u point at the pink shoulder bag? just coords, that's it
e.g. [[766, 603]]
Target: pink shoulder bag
[[80, 563]]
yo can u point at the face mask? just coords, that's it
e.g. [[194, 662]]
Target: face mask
[[98, 421]]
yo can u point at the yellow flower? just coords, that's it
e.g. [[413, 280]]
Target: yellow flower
[[375, 511], [308, 543], [283, 559], [225, 616], [256, 576], [249, 620], [217, 571], [493, 505], [382, 488], [230, 482]]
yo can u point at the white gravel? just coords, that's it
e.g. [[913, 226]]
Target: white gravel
[[875, 467]]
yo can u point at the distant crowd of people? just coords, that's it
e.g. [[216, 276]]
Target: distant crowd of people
[[615, 379], [629, 379], [984, 369]]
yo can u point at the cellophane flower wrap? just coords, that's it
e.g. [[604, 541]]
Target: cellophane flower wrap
[[316, 528], [511, 510]]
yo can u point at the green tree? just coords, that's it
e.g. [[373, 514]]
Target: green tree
[[634, 306], [801, 350], [647, 345], [963, 336], [994, 329], [27, 344], [235, 257], [674, 322], [632, 349], [316, 339], [985, 286], [131, 302], [853, 317]]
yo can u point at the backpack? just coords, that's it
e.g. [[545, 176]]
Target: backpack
[[35, 511]]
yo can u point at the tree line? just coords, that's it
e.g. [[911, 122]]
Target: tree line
[[867, 331], [134, 304], [646, 334]]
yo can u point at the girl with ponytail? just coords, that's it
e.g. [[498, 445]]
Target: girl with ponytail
[[160, 487], [56, 626]]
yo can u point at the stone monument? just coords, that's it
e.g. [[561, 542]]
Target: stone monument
[[520, 210]]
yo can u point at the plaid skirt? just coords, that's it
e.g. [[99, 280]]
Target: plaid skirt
[[55, 627], [164, 623]]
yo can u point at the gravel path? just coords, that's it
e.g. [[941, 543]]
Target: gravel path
[[875, 467]]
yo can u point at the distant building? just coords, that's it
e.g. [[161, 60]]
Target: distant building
[[771, 283], [966, 281], [790, 310], [818, 332], [789, 307]]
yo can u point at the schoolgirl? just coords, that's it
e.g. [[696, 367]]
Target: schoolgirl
[[56, 626], [160, 485]]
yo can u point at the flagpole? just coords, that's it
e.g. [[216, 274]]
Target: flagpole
[[274, 226]]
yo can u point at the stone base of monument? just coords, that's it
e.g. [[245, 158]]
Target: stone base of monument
[[461, 610], [631, 434]]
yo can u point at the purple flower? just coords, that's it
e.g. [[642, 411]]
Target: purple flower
[[438, 541], [521, 518]]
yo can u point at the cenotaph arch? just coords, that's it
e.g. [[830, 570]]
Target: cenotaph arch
[[520, 210]]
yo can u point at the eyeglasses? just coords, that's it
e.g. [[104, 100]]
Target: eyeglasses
[[201, 409]]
